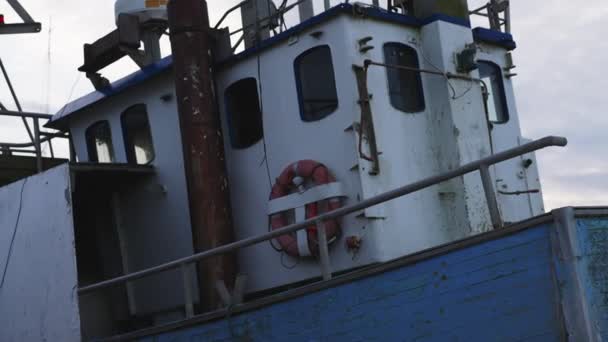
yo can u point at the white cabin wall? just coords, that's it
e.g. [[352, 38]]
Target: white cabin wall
[[289, 139], [511, 176], [413, 146], [417, 221], [155, 212], [462, 130]]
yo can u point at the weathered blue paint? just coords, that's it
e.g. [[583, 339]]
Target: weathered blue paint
[[115, 88], [494, 37], [501, 290], [592, 241], [58, 121]]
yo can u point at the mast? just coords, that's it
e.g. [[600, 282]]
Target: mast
[[203, 146]]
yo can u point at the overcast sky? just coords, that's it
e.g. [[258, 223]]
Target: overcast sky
[[560, 85]]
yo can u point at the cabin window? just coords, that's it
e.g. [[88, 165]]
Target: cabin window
[[316, 83], [137, 135], [495, 98], [99, 143], [404, 86], [244, 114]]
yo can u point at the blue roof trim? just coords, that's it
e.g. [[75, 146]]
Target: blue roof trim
[[114, 89], [58, 121], [502, 39]]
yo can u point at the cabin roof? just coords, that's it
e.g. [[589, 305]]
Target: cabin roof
[[60, 119]]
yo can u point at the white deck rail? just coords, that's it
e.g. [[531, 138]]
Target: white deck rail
[[481, 165]]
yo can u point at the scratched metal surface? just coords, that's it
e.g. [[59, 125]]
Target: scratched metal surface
[[38, 299], [501, 290]]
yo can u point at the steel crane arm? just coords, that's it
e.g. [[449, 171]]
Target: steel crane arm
[[28, 25]]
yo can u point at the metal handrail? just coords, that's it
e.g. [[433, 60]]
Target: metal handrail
[[38, 137], [480, 165]]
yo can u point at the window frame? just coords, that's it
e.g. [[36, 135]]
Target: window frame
[[503, 95], [419, 83], [298, 80], [91, 144], [230, 115], [130, 152]]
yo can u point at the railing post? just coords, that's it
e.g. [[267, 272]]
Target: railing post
[[189, 302], [488, 187], [323, 250], [37, 144]]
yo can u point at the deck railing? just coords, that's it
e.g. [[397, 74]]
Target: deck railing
[[498, 13], [37, 137], [482, 166]]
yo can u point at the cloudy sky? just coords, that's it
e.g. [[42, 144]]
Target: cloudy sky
[[560, 87]]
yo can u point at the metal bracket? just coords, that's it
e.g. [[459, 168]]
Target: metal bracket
[[367, 122], [28, 25], [237, 296]]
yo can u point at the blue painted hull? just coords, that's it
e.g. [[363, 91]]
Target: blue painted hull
[[517, 287]]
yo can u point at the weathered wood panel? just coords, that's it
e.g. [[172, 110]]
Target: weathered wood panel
[[501, 290], [593, 242]]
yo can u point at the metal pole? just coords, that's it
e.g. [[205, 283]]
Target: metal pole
[[508, 19], [327, 5], [387, 196], [37, 144], [488, 188], [14, 95], [124, 250], [25, 114], [203, 145], [188, 298], [25, 16], [306, 10], [323, 250]]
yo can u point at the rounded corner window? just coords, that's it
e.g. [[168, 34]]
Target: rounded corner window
[[243, 112], [99, 143], [495, 98], [405, 86], [316, 84], [137, 135]]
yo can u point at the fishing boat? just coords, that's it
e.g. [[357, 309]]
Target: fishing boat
[[352, 172]]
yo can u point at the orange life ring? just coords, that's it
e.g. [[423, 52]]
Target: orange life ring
[[317, 173]]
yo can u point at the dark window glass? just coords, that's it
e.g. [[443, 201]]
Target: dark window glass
[[137, 135], [244, 114], [316, 84], [404, 86], [495, 98], [99, 143]]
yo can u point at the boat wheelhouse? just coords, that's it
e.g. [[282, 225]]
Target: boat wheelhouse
[[376, 98]]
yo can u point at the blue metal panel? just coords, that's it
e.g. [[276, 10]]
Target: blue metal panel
[[494, 37], [501, 290]]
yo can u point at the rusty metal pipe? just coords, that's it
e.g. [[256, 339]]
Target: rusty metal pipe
[[203, 145]]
